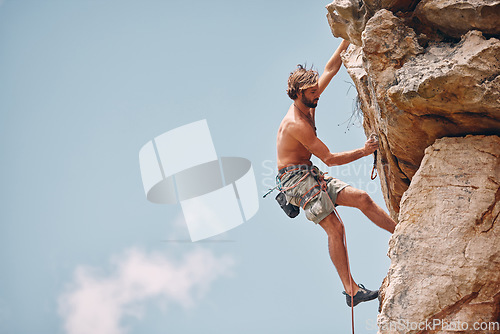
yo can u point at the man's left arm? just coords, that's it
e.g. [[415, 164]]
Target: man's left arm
[[332, 67]]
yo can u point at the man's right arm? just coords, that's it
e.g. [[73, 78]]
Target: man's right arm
[[306, 136], [332, 67]]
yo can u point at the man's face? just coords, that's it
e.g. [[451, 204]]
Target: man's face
[[310, 96]]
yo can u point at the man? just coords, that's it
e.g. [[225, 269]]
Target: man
[[305, 186]]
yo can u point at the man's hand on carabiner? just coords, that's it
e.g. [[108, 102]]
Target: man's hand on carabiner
[[371, 145]]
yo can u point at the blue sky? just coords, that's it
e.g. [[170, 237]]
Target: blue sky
[[83, 86]]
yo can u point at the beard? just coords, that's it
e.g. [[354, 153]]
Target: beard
[[309, 103]]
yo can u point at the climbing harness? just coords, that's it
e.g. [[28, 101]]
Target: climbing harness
[[290, 209]]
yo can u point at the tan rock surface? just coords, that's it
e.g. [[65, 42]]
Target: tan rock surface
[[450, 80], [417, 86], [348, 18], [457, 17], [387, 45], [445, 252], [410, 96]]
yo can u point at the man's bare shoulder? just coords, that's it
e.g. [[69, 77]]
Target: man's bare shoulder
[[292, 124]]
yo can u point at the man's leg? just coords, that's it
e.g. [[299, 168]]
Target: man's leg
[[335, 231], [356, 198]]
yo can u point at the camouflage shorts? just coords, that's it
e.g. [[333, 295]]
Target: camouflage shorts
[[304, 192]]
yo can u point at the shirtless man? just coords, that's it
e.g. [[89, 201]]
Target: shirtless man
[[297, 141]]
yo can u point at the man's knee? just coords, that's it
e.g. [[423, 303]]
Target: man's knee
[[355, 198], [363, 200]]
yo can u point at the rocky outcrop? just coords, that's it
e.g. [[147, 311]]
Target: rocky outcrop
[[463, 75], [428, 80], [411, 95], [449, 222], [348, 18], [457, 17]]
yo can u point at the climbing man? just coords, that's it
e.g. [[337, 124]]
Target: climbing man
[[306, 186]]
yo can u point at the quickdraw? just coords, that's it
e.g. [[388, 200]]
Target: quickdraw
[[374, 173]]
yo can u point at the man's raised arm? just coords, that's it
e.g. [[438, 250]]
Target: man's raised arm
[[332, 67]]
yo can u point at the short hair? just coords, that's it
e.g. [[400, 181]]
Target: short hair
[[301, 79]]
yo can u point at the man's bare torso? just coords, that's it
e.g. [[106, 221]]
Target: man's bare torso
[[290, 150]]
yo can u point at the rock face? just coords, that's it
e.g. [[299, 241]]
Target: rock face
[[456, 17], [412, 94], [445, 252], [428, 80], [348, 18]]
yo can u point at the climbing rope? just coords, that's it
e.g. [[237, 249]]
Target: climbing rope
[[324, 187], [278, 182], [348, 266]]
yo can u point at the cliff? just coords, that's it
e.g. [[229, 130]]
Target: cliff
[[427, 76]]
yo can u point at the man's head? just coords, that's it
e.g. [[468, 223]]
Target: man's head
[[302, 84]]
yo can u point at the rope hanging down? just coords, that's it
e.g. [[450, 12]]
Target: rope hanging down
[[324, 187]]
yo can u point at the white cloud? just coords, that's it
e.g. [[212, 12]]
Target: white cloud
[[96, 303]]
